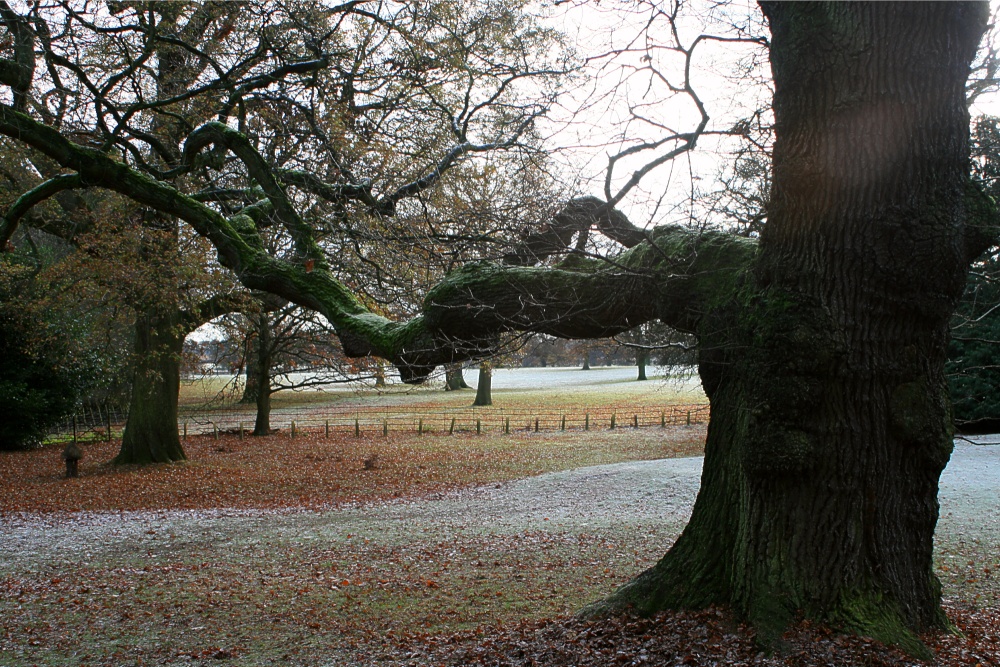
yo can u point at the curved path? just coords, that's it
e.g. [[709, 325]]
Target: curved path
[[587, 499]]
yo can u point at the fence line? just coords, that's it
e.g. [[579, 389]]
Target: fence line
[[107, 421], [401, 419]]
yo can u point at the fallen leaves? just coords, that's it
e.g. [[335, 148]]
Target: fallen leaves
[[472, 599], [312, 471], [700, 638]]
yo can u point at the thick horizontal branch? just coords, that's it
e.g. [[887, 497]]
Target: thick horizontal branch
[[675, 275]]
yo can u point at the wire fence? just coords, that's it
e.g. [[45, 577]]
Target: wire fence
[[420, 420], [107, 421]]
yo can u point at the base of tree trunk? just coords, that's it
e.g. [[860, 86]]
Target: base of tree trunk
[[151, 434]]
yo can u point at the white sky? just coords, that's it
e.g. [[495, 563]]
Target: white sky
[[589, 125]]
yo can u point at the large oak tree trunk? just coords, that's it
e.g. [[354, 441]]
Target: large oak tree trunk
[[830, 420], [151, 428]]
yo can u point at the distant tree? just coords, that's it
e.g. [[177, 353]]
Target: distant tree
[[484, 388], [973, 367], [453, 378], [284, 348]]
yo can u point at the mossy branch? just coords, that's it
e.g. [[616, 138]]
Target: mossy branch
[[675, 275]]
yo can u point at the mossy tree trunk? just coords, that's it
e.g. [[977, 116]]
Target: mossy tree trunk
[[151, 434], [484, 390], [830, 420]]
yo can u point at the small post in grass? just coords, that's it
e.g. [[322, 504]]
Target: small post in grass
[[241, 430], [451, 427], [663, 420], [293, 428], [562, 426], [215, 430], [536, 424], [689, 418], [479, 426], [420, 427], [357, 428], [326, 428], [385, 427], [586, 422], [72, 455], [185, 431], [506, 426], [635, 421], [612, 421]]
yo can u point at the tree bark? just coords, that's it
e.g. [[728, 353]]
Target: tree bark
[[484, 390], [830, 420], [151, 434], [453, 378], [262, 362], [252, 387], [641, 359]]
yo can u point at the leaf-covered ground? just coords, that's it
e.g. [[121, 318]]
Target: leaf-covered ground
[[236, 557], [312, 471]]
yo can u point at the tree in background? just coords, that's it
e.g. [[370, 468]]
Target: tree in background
[[973, 371], [40, 381], [287, 348], [338, 87]]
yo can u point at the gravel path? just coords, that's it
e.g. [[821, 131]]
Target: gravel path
[[587, 499]]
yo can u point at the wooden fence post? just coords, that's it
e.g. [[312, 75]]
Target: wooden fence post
[[451, 427], [612, 421]]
